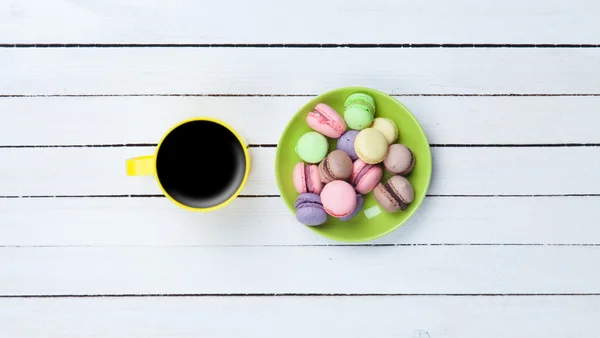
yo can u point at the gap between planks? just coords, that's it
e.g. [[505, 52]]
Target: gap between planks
[[201, 295], [299, 95], [434, 145], [297, 45], [277, 196], [308, 245]]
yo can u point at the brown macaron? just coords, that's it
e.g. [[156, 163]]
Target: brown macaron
[[396, 194], [336, 166], [400, 160]]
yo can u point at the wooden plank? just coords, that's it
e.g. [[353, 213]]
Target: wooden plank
[[226, 270], [410, 317], [267, 221], [463, 120], [42, 71], [98, 171], [311, 21]]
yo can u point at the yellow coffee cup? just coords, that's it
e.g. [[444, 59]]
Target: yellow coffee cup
[[200, 164]]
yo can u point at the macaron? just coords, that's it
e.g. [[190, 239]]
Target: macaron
[[395, 194], [400, 160], [346, 143], [360, 201], [312, 147], [339, 199], [360, 110], [365, 176], [387, 127], [336, 166], [326, 121], [371, 146], [361, 99], [306, 178], [357, 117], [309, 209]]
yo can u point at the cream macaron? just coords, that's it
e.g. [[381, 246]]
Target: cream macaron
[[387, 127], [371, 146]]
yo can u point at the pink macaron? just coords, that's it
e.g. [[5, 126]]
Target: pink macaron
[[339, 199], [327, 121], [365, 177], [306, 178]]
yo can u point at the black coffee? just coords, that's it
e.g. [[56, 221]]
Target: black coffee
[[200, 164]]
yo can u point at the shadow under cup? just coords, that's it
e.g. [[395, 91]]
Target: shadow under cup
[[201, 164]]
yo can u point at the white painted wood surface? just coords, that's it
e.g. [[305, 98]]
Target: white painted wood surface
[[296, 269], [309, 21], [482, 120], [506, 245], [404, 317], [299, 70]]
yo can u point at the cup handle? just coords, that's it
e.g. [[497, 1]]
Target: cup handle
[[141, 166]]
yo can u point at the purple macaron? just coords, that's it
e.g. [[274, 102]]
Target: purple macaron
[[360, 201], [309, 209], [346, 143]]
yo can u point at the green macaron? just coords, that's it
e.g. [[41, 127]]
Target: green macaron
[[361, 99], [312, 147], [360, 111], [358, 117]]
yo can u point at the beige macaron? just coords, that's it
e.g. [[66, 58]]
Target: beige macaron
[[396, 194], [399, 160], [336, 166]]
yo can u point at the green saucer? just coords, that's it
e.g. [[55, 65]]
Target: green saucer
[[373, 222]]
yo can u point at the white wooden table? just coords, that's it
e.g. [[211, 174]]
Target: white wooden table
[[507, 244]]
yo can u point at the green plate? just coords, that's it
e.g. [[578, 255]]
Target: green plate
[[379, 223]]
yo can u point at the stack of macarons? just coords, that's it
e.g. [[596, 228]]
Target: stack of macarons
[[332, 183]]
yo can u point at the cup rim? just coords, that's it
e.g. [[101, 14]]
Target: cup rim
[[246, 160]]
